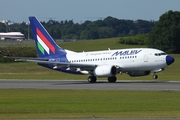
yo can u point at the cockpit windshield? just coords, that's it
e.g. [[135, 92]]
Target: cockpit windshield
[[159, 54]]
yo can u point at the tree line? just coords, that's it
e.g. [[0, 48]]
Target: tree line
[[163, 34], [106, 28]]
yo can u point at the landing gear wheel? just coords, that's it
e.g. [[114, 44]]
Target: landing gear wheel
[[155, 76], [92, 79], [112, 79]]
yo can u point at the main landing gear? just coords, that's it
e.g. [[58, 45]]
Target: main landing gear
[[92, 79], [112, 79]]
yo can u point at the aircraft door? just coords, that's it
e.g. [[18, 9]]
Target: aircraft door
[[146, 57]]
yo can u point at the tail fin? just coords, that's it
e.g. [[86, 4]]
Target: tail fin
[[45, 44]]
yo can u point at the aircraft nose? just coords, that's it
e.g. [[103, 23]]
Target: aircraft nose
[[169, 60]]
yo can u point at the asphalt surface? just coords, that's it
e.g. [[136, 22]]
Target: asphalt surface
[[84, 85]]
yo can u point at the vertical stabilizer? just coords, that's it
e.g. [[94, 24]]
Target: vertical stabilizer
[[45, 44]]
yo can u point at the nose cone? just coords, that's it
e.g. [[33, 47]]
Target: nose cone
[[169, 60]]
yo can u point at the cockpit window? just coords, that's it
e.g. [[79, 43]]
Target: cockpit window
[[159, 54], [163, 53]]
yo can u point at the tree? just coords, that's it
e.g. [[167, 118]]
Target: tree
[[106, 32], [104, 28], [143, 26], [166, 33], [2, 27]]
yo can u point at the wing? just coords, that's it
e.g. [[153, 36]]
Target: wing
[[66, 64], [55, 64], [81, 66]]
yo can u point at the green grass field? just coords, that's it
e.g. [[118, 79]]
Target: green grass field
[[25, 103], [31, 104], [93, 45]]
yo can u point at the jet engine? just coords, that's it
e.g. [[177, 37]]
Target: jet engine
[[105, 71]]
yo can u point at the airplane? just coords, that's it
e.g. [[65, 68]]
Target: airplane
[[12, 35], [105, 63]]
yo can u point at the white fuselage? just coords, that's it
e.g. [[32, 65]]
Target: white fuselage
[[11, 35], [138, 59]]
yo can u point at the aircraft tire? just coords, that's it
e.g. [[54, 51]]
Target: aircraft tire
[[155, 76], [92, 79], [112, 79]]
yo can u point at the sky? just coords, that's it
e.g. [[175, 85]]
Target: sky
[[81, 10]]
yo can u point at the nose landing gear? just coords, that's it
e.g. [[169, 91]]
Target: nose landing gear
[[155, 76]]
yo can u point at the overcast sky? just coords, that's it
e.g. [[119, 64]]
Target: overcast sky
[[82, 10]]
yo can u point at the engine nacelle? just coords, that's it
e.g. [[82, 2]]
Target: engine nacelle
[[105, 71], [139, 73]]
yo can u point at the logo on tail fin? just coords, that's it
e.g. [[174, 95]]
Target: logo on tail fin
[[43, 43]]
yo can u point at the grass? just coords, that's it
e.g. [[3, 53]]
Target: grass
[[88, 104], [93, 45], [83, 45]]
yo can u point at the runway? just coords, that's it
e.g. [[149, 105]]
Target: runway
[[84, 85]]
